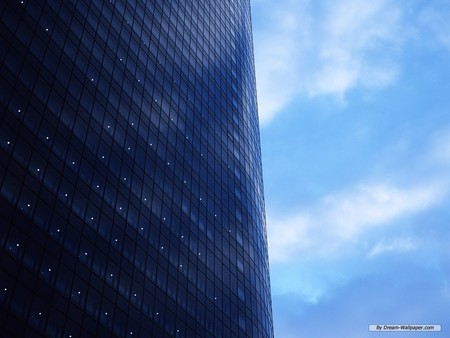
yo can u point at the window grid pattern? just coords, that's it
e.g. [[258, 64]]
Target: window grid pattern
[[131, 180]]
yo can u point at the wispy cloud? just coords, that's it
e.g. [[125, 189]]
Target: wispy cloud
[[321, 246], [280, 46], [376, 204], [337, 221], [402, 244], [362, 221], [356, 46], [340, 219], [307, 50]]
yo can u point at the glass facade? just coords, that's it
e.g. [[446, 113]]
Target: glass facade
[[131, 192]]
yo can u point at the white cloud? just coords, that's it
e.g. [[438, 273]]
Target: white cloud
[[327, 48], [402, 244], [319, 247], [370, 205], [279, 45], [351, 30], [337, 222]]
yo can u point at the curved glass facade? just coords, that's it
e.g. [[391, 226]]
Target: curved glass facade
[[131, 192]]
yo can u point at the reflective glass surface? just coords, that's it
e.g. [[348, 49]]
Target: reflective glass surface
[[131, 192]]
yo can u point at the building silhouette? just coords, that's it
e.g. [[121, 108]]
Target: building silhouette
[[131, 192]]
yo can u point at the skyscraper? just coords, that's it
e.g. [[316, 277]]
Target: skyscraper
[[131, 192]]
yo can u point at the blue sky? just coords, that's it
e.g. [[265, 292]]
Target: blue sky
[[354, 104]]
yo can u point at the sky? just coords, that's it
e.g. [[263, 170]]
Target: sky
[[354, 106]]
